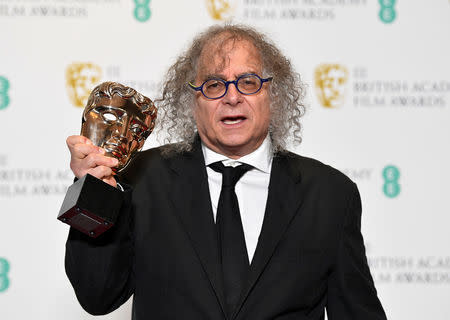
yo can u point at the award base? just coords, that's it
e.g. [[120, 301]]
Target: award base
[[91, 206]]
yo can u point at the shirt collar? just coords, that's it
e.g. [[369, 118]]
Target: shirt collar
[[260, 159]]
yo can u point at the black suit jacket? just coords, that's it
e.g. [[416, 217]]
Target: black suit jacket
[[310, 254]]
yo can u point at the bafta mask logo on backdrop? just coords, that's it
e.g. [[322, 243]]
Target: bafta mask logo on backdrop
[[142, 10], [221, 9], [391, 187], [4, 96], [331, 84], [387, 12], [4, 270], [81, 78]]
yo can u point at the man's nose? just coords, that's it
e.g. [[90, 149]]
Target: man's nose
[[233, 96]]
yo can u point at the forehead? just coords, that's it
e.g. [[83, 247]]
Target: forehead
[[225, 52], [124, 105]]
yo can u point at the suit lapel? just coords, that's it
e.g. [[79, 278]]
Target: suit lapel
[[192, 204], [284, 199]]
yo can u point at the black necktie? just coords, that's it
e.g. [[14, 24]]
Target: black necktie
[[233, 250]]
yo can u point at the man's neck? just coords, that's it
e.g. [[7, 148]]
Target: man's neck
[[261, 158]]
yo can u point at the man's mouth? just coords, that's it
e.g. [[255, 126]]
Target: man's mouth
[[233, 120]]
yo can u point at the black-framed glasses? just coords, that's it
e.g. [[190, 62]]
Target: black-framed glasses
[[216, 88]]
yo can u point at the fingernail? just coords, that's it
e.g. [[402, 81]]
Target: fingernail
[[101, 150]]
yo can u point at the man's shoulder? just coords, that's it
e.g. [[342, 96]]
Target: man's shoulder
[[158, 155], [314, 171], [152, 162]]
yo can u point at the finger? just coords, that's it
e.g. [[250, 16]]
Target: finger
[[101, 172], [80, 166], [81, 150], [93, 160], [111, 181], [77, 139]]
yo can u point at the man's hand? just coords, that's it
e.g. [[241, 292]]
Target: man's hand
[[87, 158]]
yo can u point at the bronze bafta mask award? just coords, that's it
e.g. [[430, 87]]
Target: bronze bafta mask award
[[118, 119]]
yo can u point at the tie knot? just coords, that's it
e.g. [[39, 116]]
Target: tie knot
[[230, 175]]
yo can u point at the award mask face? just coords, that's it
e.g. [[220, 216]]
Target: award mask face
[[118, 119]]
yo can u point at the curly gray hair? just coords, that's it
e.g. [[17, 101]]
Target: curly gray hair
[[286, 91]]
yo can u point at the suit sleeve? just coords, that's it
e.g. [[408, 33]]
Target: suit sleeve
[[101, 269], [351, 291]]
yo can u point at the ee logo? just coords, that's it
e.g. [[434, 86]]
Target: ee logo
[[4, 269], [391, 187], [387, 12], [142, 10], [4, 87]]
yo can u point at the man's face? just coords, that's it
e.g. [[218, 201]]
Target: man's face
[[118, 126], [236, 124]]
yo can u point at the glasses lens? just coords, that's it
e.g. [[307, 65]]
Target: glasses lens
[[249, 84], [213, 88]]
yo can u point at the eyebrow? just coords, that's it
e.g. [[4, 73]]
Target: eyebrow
[[102, 108], [221, 76]]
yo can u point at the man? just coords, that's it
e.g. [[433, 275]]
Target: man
[[234, 100]]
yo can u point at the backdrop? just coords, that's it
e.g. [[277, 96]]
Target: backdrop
[[378, 100]]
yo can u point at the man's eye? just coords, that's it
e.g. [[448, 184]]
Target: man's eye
[[249, 82], [213, 85]]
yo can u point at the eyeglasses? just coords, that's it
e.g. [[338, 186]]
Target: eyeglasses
[[216, 88]]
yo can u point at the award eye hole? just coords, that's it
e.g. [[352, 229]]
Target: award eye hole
[[110, 116], [138, 133], [137, 130]]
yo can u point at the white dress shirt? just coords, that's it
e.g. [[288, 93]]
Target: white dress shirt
[[251, 190]]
